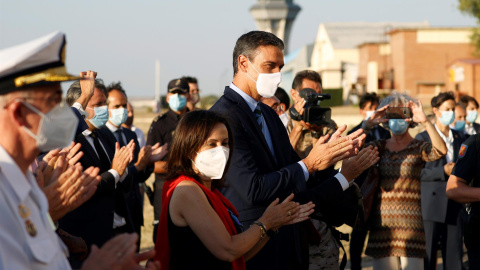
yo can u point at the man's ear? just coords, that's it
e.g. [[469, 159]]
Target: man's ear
[[17, 113], [294, 94], [242, 63]]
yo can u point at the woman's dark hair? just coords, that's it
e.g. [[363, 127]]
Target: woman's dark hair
[[191, 133], [466, 99], [368, 97], [439, 99]]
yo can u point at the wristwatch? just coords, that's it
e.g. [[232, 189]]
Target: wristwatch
[[295, 115], [271, 233]]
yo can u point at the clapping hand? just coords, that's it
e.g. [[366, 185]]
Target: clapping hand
[[354, 166], [158, 152], [70, 186], [119, 253]]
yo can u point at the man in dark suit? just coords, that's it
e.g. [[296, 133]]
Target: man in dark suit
[[97, 220], [143, 161], [441, 216], [368, 104], [264, 165]]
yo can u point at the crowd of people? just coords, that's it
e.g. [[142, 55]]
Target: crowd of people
[[249, 184]]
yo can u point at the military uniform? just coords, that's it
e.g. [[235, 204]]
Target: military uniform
[[467, 167], [27, 239], [161, 131]]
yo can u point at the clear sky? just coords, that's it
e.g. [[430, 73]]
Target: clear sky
[[121, 39]]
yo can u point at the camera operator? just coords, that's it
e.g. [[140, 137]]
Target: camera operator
[[308, 122], [303, 135]]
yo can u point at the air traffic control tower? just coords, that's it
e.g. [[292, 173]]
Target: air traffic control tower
[[275, 16]]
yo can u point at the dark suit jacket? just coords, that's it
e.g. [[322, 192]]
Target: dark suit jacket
[[435, 204], [93, 221], [130, 189], [255, 178]]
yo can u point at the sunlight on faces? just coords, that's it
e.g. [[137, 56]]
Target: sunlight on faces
[[267, 59], [369, 106], [218, 137], [306, 83], [98, 99], [116, 99], [460, 114], [471, 106], [448, 105]]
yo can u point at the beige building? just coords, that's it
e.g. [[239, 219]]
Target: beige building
[[415, 60], [335, 52]]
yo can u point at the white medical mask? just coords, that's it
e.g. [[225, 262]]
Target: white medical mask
[[56, 128], [119, 116], [211, 163], [447, 117], [471, 116], [369, 114], [101, 116], [267, 83]]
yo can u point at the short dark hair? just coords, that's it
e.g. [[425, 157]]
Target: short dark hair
[[305, 74], [191, 133], [75, 91], [248, 43], [116, 86], [190, 79], [439, 99], [283, 97], [466, 99], [368, 97]]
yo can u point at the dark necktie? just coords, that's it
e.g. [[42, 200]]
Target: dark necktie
[[104, 161], [119, 133], [258, 116]]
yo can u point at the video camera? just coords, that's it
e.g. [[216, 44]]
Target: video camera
[[313, 113]]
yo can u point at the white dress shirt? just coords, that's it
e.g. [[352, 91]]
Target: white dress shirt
[[252, 103], [20, 249], [449, 142]]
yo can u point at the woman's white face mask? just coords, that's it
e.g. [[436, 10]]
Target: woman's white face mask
[[211, 162]]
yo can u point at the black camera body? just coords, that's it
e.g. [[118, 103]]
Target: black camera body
[[313, 113]]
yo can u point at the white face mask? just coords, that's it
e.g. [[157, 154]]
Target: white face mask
[[211, 163], [369, 114], [267, 83], [56, 128]]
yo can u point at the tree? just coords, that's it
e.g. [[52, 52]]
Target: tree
[[472, 8]]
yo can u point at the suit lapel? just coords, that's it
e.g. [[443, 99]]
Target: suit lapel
[[456, 145], [250, 119], [87, 149]]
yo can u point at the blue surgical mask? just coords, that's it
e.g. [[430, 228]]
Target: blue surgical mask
[[471, 116], [398, 126], [447, 117], [119, 116], [459, 125], [101, 116], [177, 102]]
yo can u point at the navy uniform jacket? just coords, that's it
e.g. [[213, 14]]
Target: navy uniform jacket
[[468, 164], [435, 204], [256, 178]]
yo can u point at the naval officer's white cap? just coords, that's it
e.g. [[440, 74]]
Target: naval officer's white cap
[[37, 62]]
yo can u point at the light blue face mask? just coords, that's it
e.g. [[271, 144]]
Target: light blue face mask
[[471, 116], [177, 102], [447, 117], [398, 126], [459, 125], [119, 116], [101, 116]]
